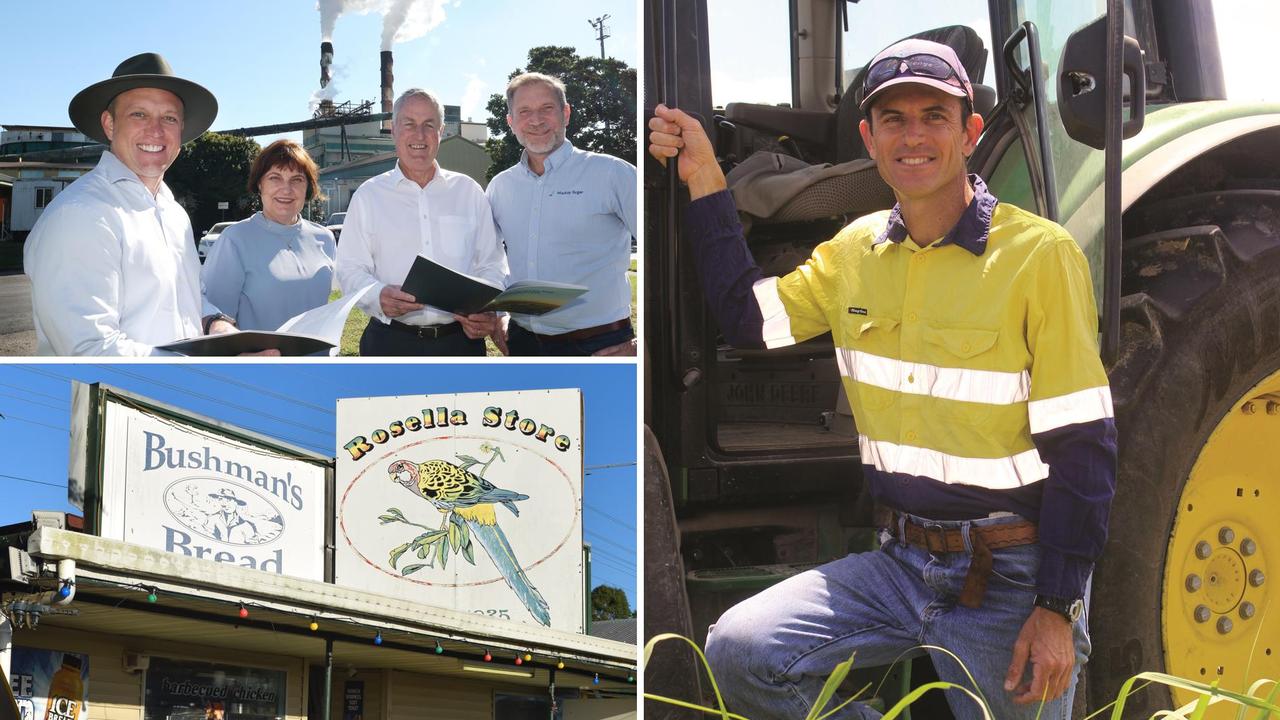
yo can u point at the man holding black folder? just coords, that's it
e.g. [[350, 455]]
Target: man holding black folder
[[418, 208], [566, 215]]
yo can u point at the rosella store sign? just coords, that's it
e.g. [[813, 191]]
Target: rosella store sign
[[467, 501], [148, 474]]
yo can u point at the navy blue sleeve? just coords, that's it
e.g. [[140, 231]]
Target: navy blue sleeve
[[726, 268], [1076, 503]]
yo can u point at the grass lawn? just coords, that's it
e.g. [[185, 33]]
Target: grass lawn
[[357, 320]]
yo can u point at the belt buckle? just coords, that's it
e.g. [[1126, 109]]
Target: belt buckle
[[430, 332], [942, 537]]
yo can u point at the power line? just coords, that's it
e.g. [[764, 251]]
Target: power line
[[37, 482], [607, 555], [257, 389], [34, 392], [611, 465], [11, 416], [19, 398], [322, 448], [607, 541], [615, 518], [220, 401], [193, 394]]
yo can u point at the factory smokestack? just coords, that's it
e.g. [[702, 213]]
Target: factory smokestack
[[326, 59], [388, 82]]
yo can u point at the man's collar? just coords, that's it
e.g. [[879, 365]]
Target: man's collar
[[551, 161], [970, 231], [397, 175], [116, 171]]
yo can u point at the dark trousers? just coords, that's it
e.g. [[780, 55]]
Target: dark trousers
[[380, 339], [521, 342]]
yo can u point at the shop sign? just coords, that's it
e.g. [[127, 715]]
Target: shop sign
[[49, 684], [193, 690], [469, 501], [204, 490], [353, 700]]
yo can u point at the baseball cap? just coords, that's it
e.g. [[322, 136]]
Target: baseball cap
[[916, 61]]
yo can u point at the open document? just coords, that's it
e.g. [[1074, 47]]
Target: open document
[[431, 283], [314, 331]]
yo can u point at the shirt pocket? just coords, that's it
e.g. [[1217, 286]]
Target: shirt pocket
[[866, 355], [964, 392], [455, 243]]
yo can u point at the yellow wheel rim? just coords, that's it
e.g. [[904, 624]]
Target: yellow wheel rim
[[1220, 620]]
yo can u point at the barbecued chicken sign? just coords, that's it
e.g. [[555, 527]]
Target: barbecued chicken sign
[[206, 490], [466, 501]]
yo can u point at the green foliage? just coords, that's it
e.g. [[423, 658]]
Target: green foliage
[[601, 93], [214, 168], [1208, 693], [609, 603]]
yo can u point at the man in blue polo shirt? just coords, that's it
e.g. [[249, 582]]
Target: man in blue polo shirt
[[566, 215], [965, 332]]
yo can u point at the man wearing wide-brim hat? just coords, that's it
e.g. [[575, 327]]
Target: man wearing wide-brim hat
[[112, 259]]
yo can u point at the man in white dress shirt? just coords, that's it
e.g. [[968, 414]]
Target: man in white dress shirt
[[112, 260], [418, 208], [566, 215]]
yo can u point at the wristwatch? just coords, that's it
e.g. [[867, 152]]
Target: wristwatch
[[208, 320], [1069, 609]]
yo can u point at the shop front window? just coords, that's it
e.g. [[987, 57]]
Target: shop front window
[[192, 690]]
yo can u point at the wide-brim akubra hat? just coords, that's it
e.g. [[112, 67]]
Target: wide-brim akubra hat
[[148, 70]]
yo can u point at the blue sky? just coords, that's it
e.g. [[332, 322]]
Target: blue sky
[[296, 402], [261, 58]]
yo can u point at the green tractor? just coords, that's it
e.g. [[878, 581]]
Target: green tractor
[[752, 470]]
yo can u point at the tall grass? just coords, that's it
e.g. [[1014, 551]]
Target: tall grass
[[1208, 694]]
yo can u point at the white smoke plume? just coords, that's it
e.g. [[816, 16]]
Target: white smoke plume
[[330, 91], [402, 20]]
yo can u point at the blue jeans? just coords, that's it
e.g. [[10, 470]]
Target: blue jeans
[[772, 653]]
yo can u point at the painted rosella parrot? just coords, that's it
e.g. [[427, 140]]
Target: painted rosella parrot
[[472, 498]]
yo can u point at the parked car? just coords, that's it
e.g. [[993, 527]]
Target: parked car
[[209, 237], [334, 223]]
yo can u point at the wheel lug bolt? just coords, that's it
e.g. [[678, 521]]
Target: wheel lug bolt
[[1273, 407], [1248, 547], [1256, 578], [1248, 408], [1193, 582], [1202, 614], [1226, 535], [1203, 550], [1224, 625], [1246, 610]]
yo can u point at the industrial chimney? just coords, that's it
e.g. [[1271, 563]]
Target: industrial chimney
[[326, 59], [388, 81]]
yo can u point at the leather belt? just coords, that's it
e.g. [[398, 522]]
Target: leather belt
[[585, 333], [426, 332], [982, 538]]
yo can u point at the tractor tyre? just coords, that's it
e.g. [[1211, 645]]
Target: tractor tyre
[[1193, 554]]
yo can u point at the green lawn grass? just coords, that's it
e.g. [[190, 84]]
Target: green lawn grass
[[357, 320]]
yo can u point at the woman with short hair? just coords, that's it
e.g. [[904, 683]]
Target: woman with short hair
[[274, 265]]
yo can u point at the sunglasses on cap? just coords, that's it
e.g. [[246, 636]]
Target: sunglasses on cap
[[930, 66]]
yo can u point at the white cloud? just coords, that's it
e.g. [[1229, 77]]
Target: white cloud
[[474, 98]]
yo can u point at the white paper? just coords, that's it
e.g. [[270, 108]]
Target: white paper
[[326, 321]]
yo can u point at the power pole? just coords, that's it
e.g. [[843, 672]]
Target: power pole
[[601, 31]]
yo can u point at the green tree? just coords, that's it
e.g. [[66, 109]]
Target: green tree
[[214, 168], [609, 603], [602, 94]]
